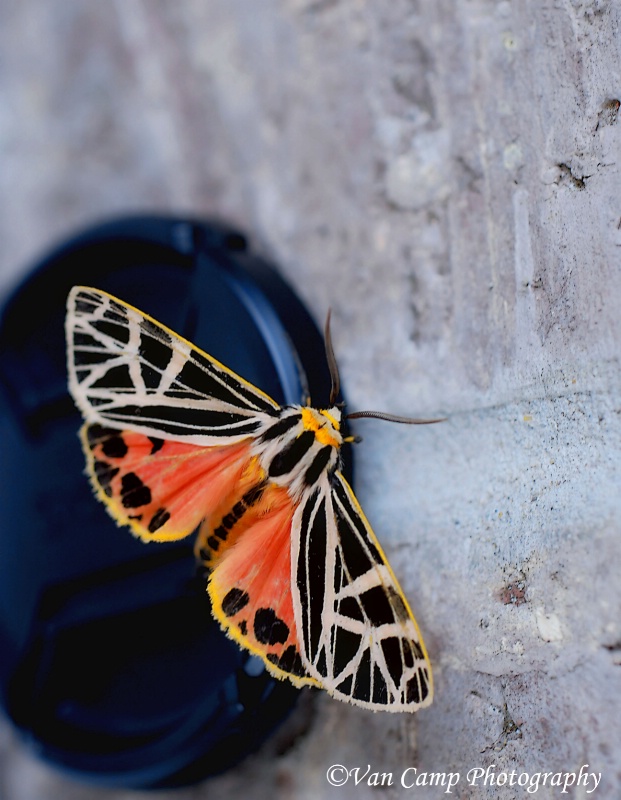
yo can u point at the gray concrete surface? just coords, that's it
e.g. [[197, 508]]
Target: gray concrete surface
[[446, 176]]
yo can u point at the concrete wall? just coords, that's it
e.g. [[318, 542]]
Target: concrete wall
[[445, 175]]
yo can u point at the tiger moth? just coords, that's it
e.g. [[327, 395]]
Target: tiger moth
[[175, 441]]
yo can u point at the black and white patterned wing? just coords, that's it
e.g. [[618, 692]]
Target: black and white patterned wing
[[128, 371], [357, 634]]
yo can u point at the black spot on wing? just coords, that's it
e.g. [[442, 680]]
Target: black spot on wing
[[356, 558], [346, 648], [380, 689], [234, 600], [114, 446], [159, 519], [81, 339], [377, 606], [350, 607], [116, 378], [269, 628], [118, 332], [413, 691], [150, 377], [134, 493], [391, 648], [345, 686], [153, 350], [213, 543], [156, 444], [321, 663], [289, 661]]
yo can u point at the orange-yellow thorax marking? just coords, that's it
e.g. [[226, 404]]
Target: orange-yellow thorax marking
[[324, 425]]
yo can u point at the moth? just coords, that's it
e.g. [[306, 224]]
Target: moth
[[175, 441]]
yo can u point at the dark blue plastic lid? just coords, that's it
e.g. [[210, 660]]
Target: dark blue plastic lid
[[111, 664]]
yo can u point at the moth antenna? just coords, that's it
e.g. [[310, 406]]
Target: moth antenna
[[393, 418], [331, 359]]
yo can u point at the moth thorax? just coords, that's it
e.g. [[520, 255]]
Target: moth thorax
[[325, 424]]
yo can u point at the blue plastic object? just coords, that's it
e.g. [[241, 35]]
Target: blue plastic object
[[111, 664]]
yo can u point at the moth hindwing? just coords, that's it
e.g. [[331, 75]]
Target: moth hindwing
[[175, 441]]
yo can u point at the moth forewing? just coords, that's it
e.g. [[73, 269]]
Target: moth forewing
[[128, 370], [403, 626], [358, 635]]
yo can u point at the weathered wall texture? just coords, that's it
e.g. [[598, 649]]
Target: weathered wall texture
[[446, 175]]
